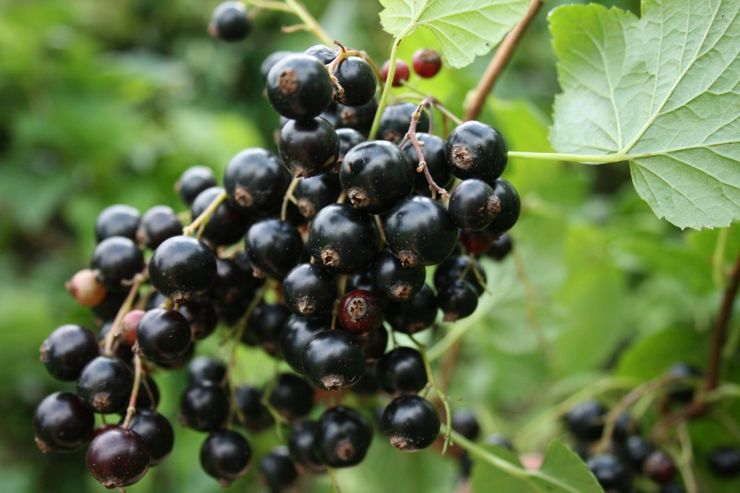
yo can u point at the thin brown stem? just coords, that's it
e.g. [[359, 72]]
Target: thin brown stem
[[288, 197], [116, 327], [205, 216], [499, 62], [720, 328], [411, 136], [138, 372]]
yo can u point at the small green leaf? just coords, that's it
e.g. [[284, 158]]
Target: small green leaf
[[464, 28], [663, 91], [568, 469], [486, 477]]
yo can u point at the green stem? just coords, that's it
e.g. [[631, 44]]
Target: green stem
[[574, 158], [718, 258], [269, 5], [460, 328], [311, 23], [205, 216], [438, 390]]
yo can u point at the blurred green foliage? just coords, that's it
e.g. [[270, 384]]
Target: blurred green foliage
[[107, 102]]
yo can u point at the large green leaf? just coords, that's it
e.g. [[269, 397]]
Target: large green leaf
[[664, 92], [464, 28]]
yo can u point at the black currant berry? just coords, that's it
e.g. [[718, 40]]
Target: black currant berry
[[158, 224], [473, 205], [117, 220], [302, 444], [411, 423], [67, 350], [316, 192], [475, 150], [586, 420], [396, 120], [419, 231], [610, 472], [148, 396], [360, 280], [343, 238], [401, 74], [256, 180], [117, 457], [501, 247], [373, 343], [395, 281], [509, 207], [433, 150], [637, 450], [227, 224], [270, 61], [348, 138], [163, 335], [333, 360], [465, 423], [265, 325], [274, 247], [157, 433], [277, 470], [376, 175], [117, 260], [624, 427], [682, 391], [308, 147], [476, 242], [234, 282], [204, 407], [299, 87], [105, 384], [201, 316], [357, 81], [463, 268], [297, 332], [725, 462], [343, 437], [182, 267], [360, 311], [230, 22], [310, 290], [62, 423], [291, 396], [253, 414], [358, 118], [457, 300], [324, 53], [659, 467], [402, 371], [193, 181], [225, 455], [413, 315], [427, 62]]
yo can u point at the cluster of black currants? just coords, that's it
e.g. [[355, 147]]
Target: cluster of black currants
[[338, 232]]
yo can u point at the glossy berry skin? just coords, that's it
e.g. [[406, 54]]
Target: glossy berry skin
[[401, 371], [413, 315], [395, 281], [501, 247], [433, 150], [256, 180], [157, 433], [411, 423], [310, 290], [401, 74], [324, 53], [277, 470], [201, 316], [610, 472], [270, 62], [182, 267], [265, 325], [148, 396], [86, 288], [333, 360], [419, 231], [682, 391], [235, 280], [586, 420], [659, 467], [396, 120], [376, 175], [427, 62], [227, 224], [456, 268], [67, 350], [302, 445], [624, 427], [158, 224], [297, 332], [360, 311], [465, 423], [358, 118], [509, 207], [225, 456], [357, 80], [473, 205], [457, 300], [117, 259], [343, 437], [117, 220], [230, 22], [291, 396], [637, 450], [193, 181], [316, 192], [105, 384], [62, 423], [725, 462], [274, 247], [308, 147], [204, 407], [475, 150], [163, 335], [298, 87], [348, 138], [117, 457], [253, 415], [343, 239], [373, 343]]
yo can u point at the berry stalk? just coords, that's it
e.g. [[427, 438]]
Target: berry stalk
[[115, 330], [437, 390], [411, 137], [202, 220], [138, 372]]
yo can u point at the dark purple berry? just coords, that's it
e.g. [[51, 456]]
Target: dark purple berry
[[586, 420], [117, 260], [227, 224], [343, 437], [62, 423], [302, 444], [411, 423], [509, 207], [163, 335], [265, 325], [105, 384], [252, 413], [230, 22], [463, 268], [308, 147], [402, 371], [396, 120], [291, 396], [433, 150], [333, 360], [277, 470], [297, 332], [117, 457], [316, 192], [465, 423], [182, 267], [473, 205], [324, 53], [310, 290], [343, 238], [359, 118], [659, 467], [193, 181], [360, 311], [395, 281], [157, 433], [256, 180], [299, 87], [158, 224], [457, 300], [117, 220], [67, 350], [475, 150], [204, 407], [357, 81], [725, 462], [274, 247], [225, 456], [413, 315], [610, 472]]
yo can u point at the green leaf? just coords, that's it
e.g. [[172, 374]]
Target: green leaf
[[464, 28], [663, 92], [486, 477], [571, 472]]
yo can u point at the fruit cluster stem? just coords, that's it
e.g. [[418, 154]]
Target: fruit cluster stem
[[412, 137], [126, 306], [441, 396], [288, 197], [202, 220], [138, 373]]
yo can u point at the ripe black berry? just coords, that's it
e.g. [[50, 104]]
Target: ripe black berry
[[473, 205], [401, 74], [333, 360], [291, 396], [359, 118], [360, 280], [457, 300], [357, 80], [308, 146], [204, 407], [343, 437], [265, 325], [158, 224], [586, 420], [411, 423], [148, 396], [360, 311], [465, 423], [433, 150], [270, 62], [297, 332], [117, 220], [343, 238], [475, 150], [202, 317], [299, 87], [302, 445], [402, 371], [682, 391], [157, 433], [193, 181], [230, 22], [225, 455], [416, 314], [610, 472], [463, 268], [637, 450], [427, 62], [310, 290], [324, 53], [373, 343], [509, 207], [227, 224], [274, 247], [252, 413], [501, 247], [62, 423], [624, 427], [395, 281], [117, 457], [256, 179], [277, 470], [182, 267], [376, 175], [163, 335], [316, 192], [396, 120], [67, 350], [117, 259], [659, 467], [348, 138], [725, 462], [105, 384]]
